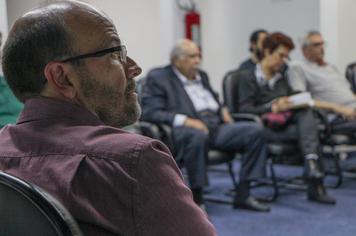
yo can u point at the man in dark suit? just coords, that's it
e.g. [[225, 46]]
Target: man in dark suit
[[78, 93], [180, 96]]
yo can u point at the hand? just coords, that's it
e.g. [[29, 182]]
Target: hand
[[227, 118], [281, 104], [347, 112], [196, 124]]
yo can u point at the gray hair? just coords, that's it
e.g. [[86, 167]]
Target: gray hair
[[178, 49], [306, 40]]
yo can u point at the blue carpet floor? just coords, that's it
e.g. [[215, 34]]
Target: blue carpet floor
[[292, 214]]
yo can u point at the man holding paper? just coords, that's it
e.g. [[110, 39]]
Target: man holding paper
[[266, 92]]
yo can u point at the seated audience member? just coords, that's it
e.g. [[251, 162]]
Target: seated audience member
[[266, 91], [78, 93], [180, 96], [10, 107], [256, 40], [328, 87]]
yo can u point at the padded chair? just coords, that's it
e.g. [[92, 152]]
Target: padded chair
[[339, 145], [351, 75], [25, 209], [279, 149]]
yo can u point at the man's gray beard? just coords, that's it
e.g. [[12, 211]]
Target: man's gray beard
[[128, 116], [131, 116], [108, 113]]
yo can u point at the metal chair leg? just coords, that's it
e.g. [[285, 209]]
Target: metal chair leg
[[232, 174], [233, 178], [274, 181], [338, 170]]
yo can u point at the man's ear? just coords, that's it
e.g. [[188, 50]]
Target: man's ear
[[305, 51], [266, 52], [58, 79], [177, 62], [253, 46]]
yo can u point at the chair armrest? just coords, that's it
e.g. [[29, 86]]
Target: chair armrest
[[325, 125], [165, 129], [158, 131], [246, 117], [327, 136], [149, 129]]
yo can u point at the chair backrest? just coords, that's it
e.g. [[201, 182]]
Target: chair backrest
[[231, 91], [278, 145], [351, 75], [25, 209], [140, 84]]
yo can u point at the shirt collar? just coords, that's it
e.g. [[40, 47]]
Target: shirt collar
[[184, 79], [261, 78], [306, 61], [48, 108]]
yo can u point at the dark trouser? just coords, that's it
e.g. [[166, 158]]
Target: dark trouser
[[246, 137], [303, 130], [191, 145]]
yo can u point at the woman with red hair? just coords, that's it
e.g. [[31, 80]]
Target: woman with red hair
[[266, 92]]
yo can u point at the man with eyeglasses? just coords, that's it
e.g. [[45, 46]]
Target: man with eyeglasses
[[328, 87], [267, 93], [65, 61]]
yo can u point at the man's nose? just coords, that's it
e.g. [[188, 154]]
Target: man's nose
[[132, 69]]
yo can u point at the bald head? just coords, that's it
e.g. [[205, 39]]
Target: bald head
[[42, 35]]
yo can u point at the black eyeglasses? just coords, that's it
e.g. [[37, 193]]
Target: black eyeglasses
[[317, 44], [120, 49]]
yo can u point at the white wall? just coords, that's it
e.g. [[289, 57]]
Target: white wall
[[147, 28], [227, 25], [3, 23], [347, 33], [150, 27], [3, 17], [16, 8], [337, 20], [329, 28], [141, 26]]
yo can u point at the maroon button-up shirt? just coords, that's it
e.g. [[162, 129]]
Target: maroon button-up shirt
[[113, 182]]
